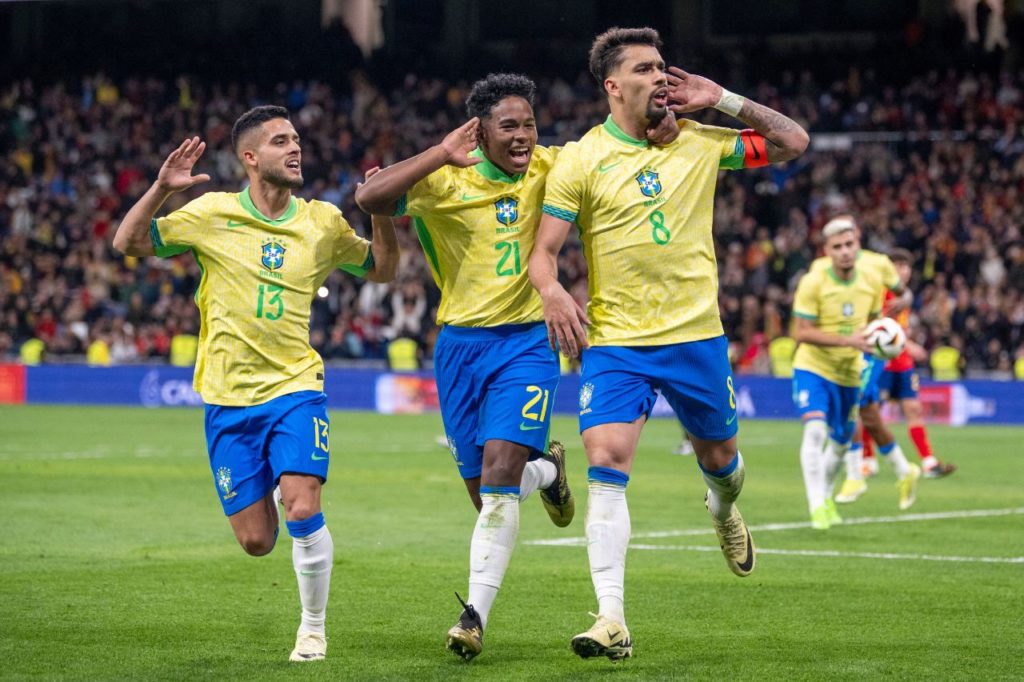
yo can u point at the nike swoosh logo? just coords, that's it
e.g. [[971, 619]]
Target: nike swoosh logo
[[315, 458], [731, 420], [236, 223], [524, 427], [757, 154], [467, 197], [749, 563], [604, 169]]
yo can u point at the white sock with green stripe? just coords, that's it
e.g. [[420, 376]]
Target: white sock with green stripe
[[608, 530], [494, 538]]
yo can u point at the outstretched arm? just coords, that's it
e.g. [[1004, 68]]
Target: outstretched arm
[[383, 243], [380, 196], [785, 137], [562, 314], [132, 237]]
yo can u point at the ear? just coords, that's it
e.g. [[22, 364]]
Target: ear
[[249, 158], [611, 87]]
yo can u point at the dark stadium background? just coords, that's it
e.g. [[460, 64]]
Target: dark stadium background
[[914, 128]]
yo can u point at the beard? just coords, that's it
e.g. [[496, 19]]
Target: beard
[[278, 178], [655, 113]]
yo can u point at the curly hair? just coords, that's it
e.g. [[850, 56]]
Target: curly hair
[[606, 50], [253, 119], [487, 92]]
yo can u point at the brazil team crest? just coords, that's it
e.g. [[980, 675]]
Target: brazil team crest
[[650, 184], [272, 256], [506, 210], [586, 394], [847, 309], [224, 482]]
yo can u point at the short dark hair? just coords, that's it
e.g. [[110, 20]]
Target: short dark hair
[[901, 256], [254, 118], [606, 50], [487, 92]]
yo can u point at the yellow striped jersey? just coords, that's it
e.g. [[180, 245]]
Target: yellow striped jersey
[[841, 307], [477, 226], [259, 276], [644, 214]]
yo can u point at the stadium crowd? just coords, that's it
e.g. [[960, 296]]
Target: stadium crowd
[[934, 165]]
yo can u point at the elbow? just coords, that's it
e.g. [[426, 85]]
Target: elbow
[[384, 272], [120, 244], [369, 204], [798, 143]]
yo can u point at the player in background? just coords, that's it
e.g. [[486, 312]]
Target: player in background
[[831, 307], [475, 200], [899, 382], [645, 214], [264, 253]]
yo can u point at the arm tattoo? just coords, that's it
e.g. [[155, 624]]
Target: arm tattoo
[[775, 127]]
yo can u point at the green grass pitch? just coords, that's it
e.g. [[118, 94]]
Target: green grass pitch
[[116, 563]]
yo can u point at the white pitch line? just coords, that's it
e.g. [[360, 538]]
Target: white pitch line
[[903, 518], [837, 554]]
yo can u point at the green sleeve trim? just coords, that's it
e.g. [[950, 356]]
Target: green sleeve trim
[[360, 270], [428, 246], [805, 315], [560, 213], [403, 203], [162, 250], [735, 160]]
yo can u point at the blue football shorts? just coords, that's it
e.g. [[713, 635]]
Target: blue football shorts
[[250, 447], [899, 385], [495, 383], [620, 383], [813, 393], [869, 378]]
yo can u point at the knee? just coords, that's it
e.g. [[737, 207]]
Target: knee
[[301, 509], [257, 545]]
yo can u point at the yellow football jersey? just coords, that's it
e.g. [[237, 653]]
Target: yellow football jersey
[[477, 226], [840, 307], [877, 264], [259, 277], [644, 214]]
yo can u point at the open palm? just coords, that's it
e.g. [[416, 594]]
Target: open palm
[[176, 173]]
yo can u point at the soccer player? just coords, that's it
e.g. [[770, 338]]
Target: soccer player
[[831, 307], [644, 214], [264, 254], [899, 382], [475, 200]]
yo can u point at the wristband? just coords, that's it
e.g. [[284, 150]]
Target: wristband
[[730, 103]]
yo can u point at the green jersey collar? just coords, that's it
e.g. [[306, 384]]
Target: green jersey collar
[[844, 282], [619, 134], [490, 171], [251, 209]]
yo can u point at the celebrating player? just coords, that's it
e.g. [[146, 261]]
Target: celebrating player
[[644, 215], [475, 199], [264, 253], [831, 307]]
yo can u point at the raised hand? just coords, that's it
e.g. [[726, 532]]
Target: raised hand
[[565, 319], [369, 174], [460, 142], [176, 173], [689, 92]]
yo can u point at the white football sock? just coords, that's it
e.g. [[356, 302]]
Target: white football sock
[[494, 538], [897, 459], [855, 463], [833, 460], [540, 473], [812, 462], [724, 490], [608, 532], [313, 558]]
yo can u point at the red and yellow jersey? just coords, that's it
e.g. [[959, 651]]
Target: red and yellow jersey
[[902, 362]]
